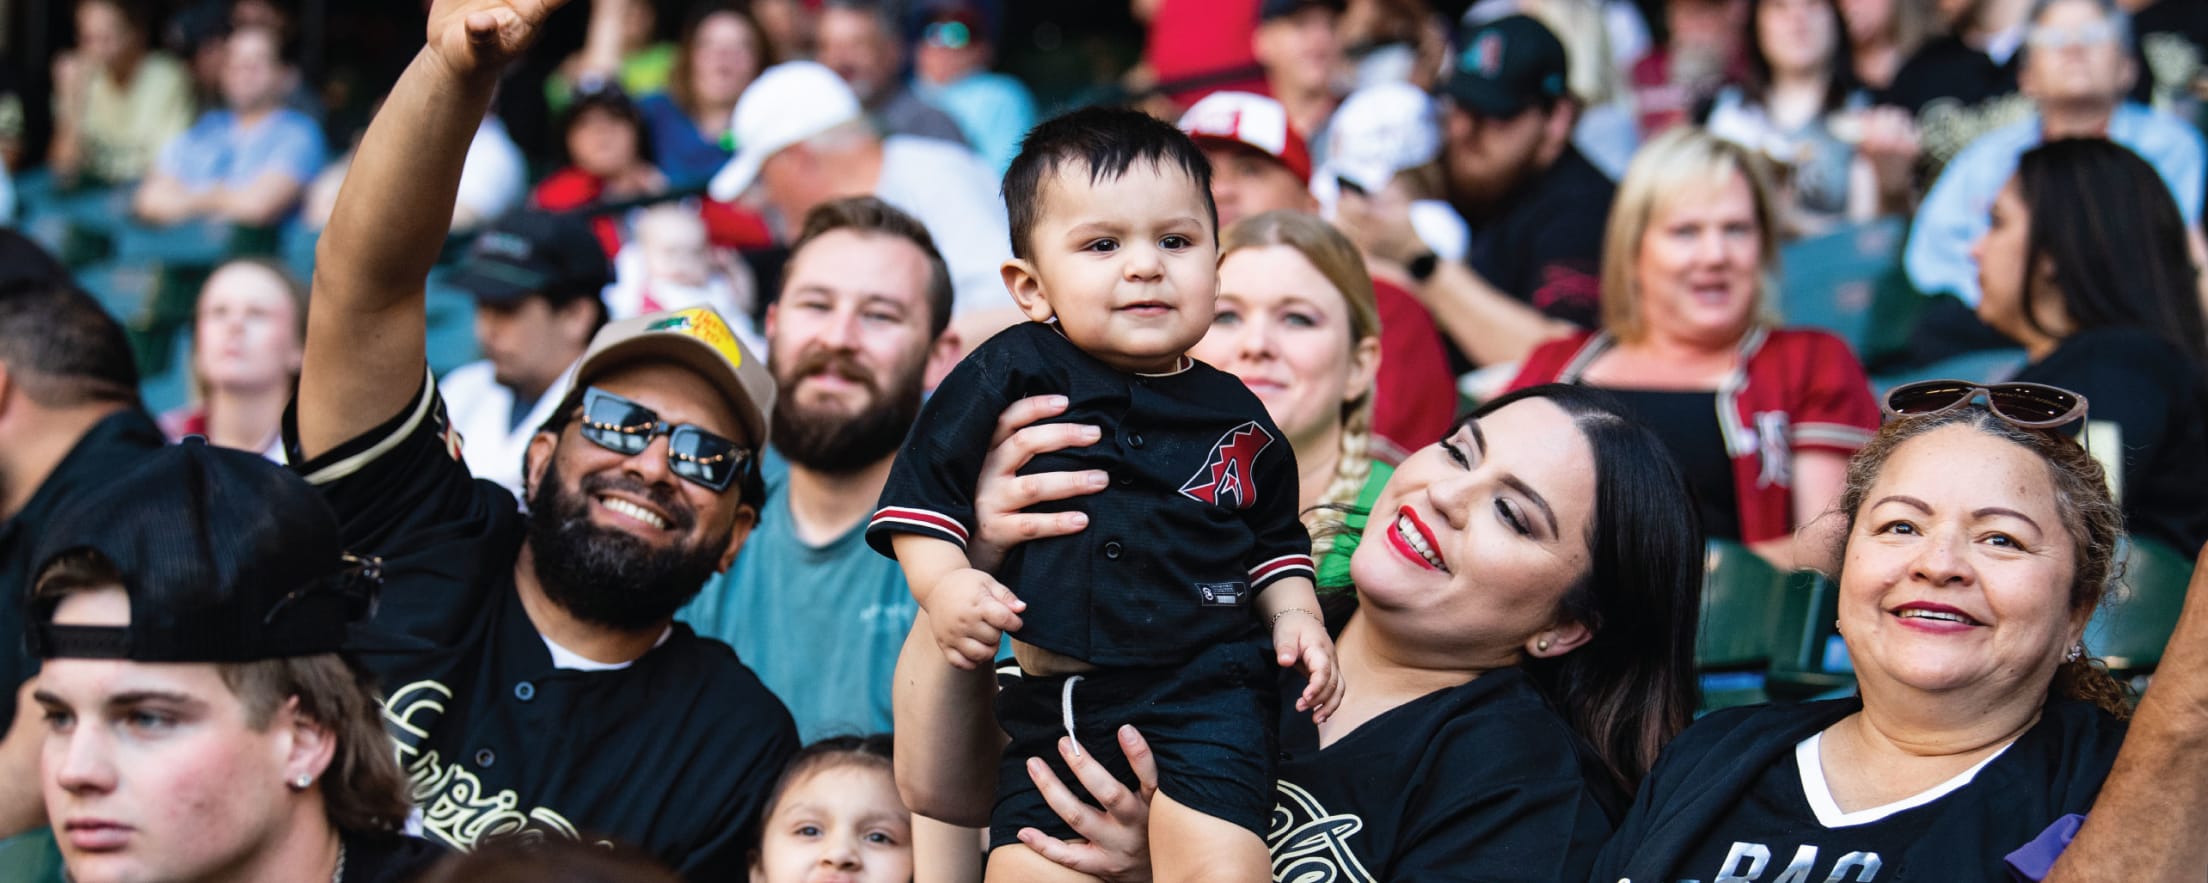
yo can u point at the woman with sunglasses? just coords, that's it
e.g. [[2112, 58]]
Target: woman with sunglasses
[[2085, 265], [1978, 542]]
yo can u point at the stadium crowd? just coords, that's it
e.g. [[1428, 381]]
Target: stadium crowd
[[900, 440]]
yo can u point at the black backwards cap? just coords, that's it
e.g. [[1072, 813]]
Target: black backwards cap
[[227, 557]]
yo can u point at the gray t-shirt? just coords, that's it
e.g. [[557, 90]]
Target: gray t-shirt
[[952, 191]]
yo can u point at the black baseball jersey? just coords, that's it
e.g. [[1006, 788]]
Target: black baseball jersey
[[1480, 781], [674, 753], [1687, 814], [386, 858], [1199, 518]]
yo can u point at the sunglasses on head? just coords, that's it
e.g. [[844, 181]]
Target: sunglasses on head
[[625, 427], [2029, 405]]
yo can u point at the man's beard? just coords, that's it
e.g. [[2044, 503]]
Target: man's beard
[[834, 443], [608, 577]]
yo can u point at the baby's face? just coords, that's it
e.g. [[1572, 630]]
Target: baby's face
[[1129, 265], [676, 252]]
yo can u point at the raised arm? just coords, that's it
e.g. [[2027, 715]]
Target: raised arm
[[2146, 824], [365, 336]]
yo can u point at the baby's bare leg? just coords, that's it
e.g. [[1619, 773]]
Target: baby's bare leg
[[1015, 863], [1187, 846]]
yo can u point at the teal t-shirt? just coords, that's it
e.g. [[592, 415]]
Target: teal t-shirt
[[821, 625], [1334, 568]]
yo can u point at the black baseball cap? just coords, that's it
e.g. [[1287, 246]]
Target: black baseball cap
[[1504, 66], [226, 556], [533, 253], [1272, 9]]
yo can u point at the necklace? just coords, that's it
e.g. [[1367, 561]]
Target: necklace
[[338, 876]]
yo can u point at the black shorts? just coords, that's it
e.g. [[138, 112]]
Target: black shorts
[[1210, 724]]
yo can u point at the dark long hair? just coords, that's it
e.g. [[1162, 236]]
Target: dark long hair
[[1632, 686], [2107, 223], [1840, 73], [678, 76]]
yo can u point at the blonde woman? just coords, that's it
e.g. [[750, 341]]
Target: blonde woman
[[1762, 419]]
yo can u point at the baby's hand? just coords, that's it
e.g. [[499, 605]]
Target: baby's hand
[[1299, 639], [969, 612]]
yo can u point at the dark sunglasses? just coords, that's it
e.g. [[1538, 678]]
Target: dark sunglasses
[[2029, 405], [625, 427]]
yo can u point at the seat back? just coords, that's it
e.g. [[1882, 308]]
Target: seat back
[[2131, 628], [1740, 606]]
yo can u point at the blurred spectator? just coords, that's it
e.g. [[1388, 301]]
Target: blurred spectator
[[1391, 41], [806, 141], [607, 153], [115, 103], [248, 335], [721, 52], [15, 119], [1303, 60], [1762, 420], [2076, 71], [1881, 35], [7, 197], [672, 265], [492, 183], [859, 41], [860, 330], [70, 421], [622, 46], [788, 26], [1608, 129], [1796, 108], [1964, 84], [524, 859], [245, 164], [1385, 143], [2173, 39], [1259, 161], [950, 70], [2086, 265], [1197, 47], [1701, 53], [202, 718], [535, 278], [1534, 202], [1259, 164]]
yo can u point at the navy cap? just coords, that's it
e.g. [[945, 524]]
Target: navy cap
[[1505, 66], [533, 253], [226, 557], [1272, 9]]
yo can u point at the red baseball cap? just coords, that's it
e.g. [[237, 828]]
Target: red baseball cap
[[1249, 120]]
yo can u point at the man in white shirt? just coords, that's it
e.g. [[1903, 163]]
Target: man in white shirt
[[804, 140], [536, 279]]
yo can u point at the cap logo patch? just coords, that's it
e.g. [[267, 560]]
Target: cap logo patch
[[505, 245], [701, 323], [1484, 56]]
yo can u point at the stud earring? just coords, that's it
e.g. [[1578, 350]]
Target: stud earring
[[1542, 645], [2077, 652], [301, 783]]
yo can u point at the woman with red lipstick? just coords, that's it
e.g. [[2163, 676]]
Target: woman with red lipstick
[[1975, 551], [1762, 419], [1516, 650]]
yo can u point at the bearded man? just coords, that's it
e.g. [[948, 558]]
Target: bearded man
[[537, 684], [861, 328]]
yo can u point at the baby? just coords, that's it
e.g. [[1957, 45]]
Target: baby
[[1145, 617]]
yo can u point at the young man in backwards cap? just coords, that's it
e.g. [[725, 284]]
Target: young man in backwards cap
[[537, 681], [201, 723]]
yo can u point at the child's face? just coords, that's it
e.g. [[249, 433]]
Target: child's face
[[1129, 265], [840, 822]]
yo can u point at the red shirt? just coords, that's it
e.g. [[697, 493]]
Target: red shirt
[[1415, 395], [1199, 38]]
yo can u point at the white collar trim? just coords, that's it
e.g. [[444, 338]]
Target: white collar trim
[[1808, 759]]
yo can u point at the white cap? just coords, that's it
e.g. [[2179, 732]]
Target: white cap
[[1249, 119], [1380, 130], [788, 103]]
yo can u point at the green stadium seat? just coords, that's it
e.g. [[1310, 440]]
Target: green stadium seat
[[1850, 282], [2130, 629], [1807, 656], [1740, 608]]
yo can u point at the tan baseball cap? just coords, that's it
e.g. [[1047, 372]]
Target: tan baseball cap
[[696, 338]]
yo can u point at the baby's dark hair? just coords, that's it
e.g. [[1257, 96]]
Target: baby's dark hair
[[1108, 140], [862, 751]]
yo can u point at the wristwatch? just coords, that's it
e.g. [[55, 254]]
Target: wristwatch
[[1422, 267]]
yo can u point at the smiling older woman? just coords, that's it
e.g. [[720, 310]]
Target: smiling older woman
[[1976, 550]]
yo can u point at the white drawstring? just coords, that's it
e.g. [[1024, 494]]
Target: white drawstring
[[1065, 706]]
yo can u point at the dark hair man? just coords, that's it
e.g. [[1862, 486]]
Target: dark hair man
[[537, 680]]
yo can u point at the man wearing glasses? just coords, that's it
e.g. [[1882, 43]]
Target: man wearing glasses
[[535, 680]]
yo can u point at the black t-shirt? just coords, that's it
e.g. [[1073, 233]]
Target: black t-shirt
[[1773, 834], [673, 754], [1200, 516], [113, 445], [1546, 247], [2155, 392], [1687, 422], [1480, 781], [2173, 36], [379, 858], [1946, 67]]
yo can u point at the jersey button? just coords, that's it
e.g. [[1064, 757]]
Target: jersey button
[[1125, 480], [1134, 439], [525, 691], [484, 758], [1111, 550]]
